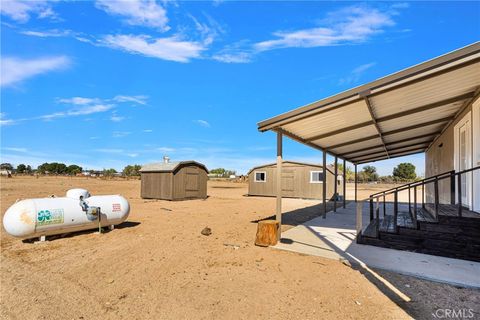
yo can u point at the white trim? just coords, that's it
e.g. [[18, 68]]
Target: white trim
[[311, 176], [255, 176], [467, 119], [476, 154]]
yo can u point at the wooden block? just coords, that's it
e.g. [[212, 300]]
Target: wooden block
[[267, 233]]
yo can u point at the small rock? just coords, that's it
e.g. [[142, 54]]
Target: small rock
[[346, 262], [407, 285], [206, 231], [357, 302], [110, 281], [236, 247]]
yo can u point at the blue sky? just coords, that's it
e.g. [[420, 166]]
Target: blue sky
[[105, 84]]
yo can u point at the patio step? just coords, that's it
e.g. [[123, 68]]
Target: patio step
[[453, 237], [446, 248]]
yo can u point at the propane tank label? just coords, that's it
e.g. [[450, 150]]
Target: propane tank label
[[48, 217], [116, 207]]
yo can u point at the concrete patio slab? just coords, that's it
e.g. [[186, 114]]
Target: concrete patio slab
[[334, 238]]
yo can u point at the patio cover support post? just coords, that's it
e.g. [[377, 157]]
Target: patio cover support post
[[278, 213], [344, 183], [356, 178], [335, 188], [324, 184]]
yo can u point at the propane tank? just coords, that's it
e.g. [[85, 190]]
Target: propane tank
[[77, 211]]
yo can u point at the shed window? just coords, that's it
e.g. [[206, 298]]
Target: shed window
[[316, 176], [260, 176]]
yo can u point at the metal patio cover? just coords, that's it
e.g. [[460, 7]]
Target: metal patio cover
[[397, 115]]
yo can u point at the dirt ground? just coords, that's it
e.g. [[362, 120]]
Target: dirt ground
[[158, 265]]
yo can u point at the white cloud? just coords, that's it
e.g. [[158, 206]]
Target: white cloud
[[80, 100], [356, 73], [165, 149], [116, 118], [235, 53], [203, 123], [147, 130], [14, 149], [132, 155], [79, 111], [81, 106], [171, 48], [137, 12], [47, 34], [7, 122], [209, 30], [21, 10], [352, 24], [234, 57], [15, 70], [120, 134], [216, 3], [136, 99]]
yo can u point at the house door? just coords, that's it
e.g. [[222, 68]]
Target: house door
[[476, 155], [463, 157]]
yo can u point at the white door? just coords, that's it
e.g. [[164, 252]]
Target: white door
[[476, 155], [463, 157]]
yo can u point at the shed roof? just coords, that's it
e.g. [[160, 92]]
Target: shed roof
[[329, 167], [169, 166], [393, 116]]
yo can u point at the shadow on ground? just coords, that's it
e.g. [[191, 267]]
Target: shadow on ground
[[420, 298], [123, 225], [296, 217]]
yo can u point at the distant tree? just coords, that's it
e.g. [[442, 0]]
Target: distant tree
[[74, 169], [109, 172], [52, 168], [132, 170], [405, 171], [21, 168], [350, 175], [370, 173], [222, 172], [219, 171], [28, 169], [6, 166]]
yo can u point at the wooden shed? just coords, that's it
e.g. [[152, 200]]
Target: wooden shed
[[299, 180], [174, 180]]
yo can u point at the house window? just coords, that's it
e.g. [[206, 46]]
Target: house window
[[260, 176], [316, 176]]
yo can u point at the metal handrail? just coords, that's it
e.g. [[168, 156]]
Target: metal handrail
[[404, 186], [434, 179]]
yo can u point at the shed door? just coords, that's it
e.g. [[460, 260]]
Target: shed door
[[288, 183], [191, 182]]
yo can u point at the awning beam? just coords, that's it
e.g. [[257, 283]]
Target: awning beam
[[392, 155], [370, 110], [424, 143], [391, 143]]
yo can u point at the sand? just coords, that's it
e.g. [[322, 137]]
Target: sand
[[158, 265]]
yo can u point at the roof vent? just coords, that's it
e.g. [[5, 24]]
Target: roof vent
[[166, 159]]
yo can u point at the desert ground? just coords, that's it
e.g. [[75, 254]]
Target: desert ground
[[158, 265]]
